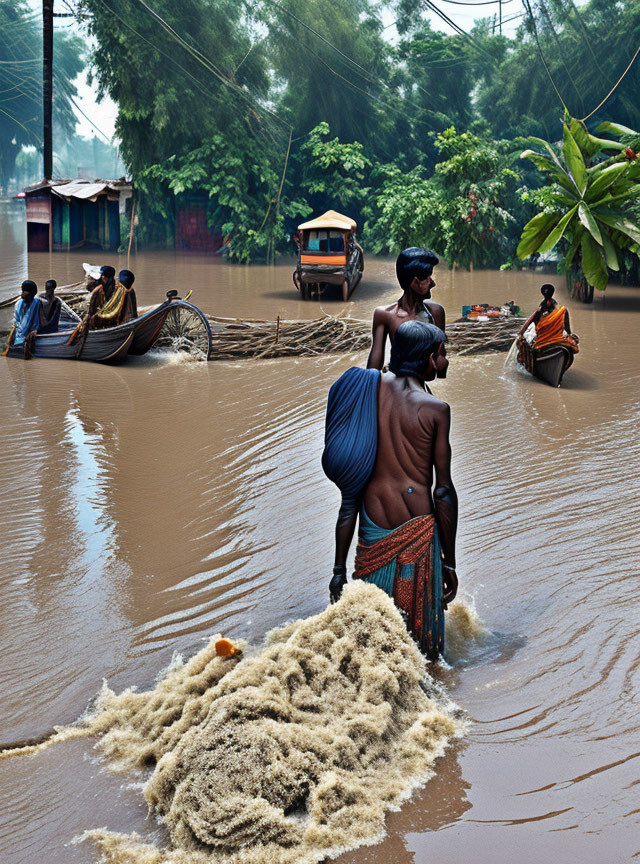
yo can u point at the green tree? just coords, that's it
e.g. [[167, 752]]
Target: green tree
[[243, 190], [21, 83], [461, 210], [333, 174], [586, 50], [586, 204]]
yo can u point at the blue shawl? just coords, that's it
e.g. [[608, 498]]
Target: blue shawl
[[26, 319], [351, 432]]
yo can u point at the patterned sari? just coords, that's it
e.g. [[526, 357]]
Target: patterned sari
[[406, 563]]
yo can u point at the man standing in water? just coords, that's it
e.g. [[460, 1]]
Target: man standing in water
[[386, 439], [414, 269]]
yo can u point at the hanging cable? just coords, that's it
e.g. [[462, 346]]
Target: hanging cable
[[544, 62], [615, 86]]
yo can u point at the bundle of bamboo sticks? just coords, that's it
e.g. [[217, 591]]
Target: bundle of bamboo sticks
[[236, 338]]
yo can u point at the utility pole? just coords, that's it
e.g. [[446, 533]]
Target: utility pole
[[47, 87], [500, 12]]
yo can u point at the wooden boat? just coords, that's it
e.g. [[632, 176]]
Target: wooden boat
[[548, 364], [114, 344], [328, 254]]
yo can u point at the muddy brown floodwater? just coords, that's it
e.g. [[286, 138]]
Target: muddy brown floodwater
[[145, 507]]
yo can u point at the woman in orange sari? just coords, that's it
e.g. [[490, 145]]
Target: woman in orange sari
[[553, 325]]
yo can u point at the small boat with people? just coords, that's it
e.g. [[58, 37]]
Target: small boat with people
[[546, 346], [101, 335], [328, 254]]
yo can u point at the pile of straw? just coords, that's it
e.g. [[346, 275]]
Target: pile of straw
[[237, 338]]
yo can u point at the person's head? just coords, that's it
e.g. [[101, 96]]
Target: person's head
[[414, 267], [126, 278], [416, 348], [28, 290], [107, 275], [547, 292], [49, 287]]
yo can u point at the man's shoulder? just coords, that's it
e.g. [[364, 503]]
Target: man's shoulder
[[432, 408], [384, 311]]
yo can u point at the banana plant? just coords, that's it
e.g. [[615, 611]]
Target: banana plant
[[589, 202]]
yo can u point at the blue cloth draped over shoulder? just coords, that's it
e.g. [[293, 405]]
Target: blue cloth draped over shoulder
[[351, 432], [25, 319]]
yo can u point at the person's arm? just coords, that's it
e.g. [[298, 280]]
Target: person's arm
[[93, 302], [567, 322], [438, 313], [445, 501], [345, 528], [530, 320], [134, 304], [379, 334]]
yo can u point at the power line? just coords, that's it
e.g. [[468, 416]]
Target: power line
[[615, 86], [544, 62]]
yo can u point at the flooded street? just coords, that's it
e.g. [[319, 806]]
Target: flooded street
[[147, 506]]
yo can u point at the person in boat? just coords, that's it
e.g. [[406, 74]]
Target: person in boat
[[126, 278], [50, 308], [414, 269], [26, 315], [386, 442], [111, 302], [553, 325]]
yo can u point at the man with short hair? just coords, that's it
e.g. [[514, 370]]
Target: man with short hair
[[111, 302], [386, 447], [414, 269], [50, 308], [26, 316]]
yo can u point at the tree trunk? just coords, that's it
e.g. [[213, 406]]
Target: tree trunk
[[579, 288]]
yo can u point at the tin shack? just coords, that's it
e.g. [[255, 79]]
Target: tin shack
[[68, 214]]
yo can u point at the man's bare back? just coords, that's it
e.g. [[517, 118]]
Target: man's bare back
[[413, 442]]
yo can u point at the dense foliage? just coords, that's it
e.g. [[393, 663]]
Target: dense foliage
[[267, 110], [461, 210], [21, 83], [588, 201]]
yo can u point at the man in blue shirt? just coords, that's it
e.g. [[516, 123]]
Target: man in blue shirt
[[26, 317]]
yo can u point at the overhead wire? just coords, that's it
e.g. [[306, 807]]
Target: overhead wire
[[615, 86], [544, 62]]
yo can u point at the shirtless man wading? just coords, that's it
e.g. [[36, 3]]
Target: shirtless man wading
[[414, 269], [407, 532]]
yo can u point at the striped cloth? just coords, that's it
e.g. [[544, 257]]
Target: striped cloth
[[406, 563]]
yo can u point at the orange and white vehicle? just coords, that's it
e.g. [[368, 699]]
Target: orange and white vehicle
[[328, 254]]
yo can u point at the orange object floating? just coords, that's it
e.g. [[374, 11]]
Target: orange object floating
[[226, 648]]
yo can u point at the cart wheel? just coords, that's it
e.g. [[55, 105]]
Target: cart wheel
[[186, 329], [345, 291]]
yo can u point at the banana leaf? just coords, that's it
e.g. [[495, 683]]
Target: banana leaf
[[535, 232], [594, 266], [544, 163], [575, 162], [558, 231], [586, 217], [610, 254], [620, 223], [573, 248], [615, 129], [604, 180]]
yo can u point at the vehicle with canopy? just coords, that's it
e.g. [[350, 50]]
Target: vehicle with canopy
[[328, 254]]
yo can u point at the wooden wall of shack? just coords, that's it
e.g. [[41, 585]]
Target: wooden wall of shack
[[60, 224]]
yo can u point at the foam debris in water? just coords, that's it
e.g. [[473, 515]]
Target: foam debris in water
[[292, 754]]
